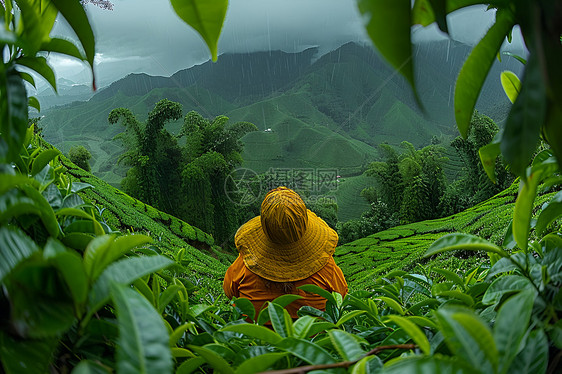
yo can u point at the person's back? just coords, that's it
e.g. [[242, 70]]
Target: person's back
[[285, 247]]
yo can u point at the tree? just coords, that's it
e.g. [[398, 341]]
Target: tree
[[211, 152], [80, 156], [410, 184], [153, 154], [474, 185], [389, 178]]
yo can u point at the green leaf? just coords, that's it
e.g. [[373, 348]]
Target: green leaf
[[511, 84], [259, 363], [46, 212], [349, 316], [281, 324], [474, 71], [101, 252], [512, 323], [7, 182], [550, 212], [89, 367], [42, 159], [181, 353], [143, 340], [533, 358], [458, 241], [16, 247], [255, 331], [45, 177], [488, 155], [423, 14], [176, 335], [40, 66], [469, 337], [433, 364], [505, 285], [32, 32], [346, 344], [24, 356], [205, 16], [76, 17], [302, 326], [363, 366], [13, 112], [246, 307], [386, 18], [190, 365], [393, 304], [307, 351], [524, 209], [312, 288], [77, 240], [458, 295], [422, 321], [440, 11], [124, 272], [14, 204], [94, 255], [69, 264], [212, 358], [34, 103], [453, 277], [167, 296], [282, 301], [413, 331], [523, 124], [73, 212], [63, 46]]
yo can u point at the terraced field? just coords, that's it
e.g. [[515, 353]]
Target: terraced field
[[204, 262], [402, 247], [348, 196]]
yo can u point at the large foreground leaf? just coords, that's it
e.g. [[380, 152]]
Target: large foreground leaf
[[25, 356], [13, 113], [205, 16], [143, 339], [123, 272], [388, 27], [511, 325], [15, 247], [469, 337], [474, 71]]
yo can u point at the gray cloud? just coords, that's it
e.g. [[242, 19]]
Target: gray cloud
[[147, 36]]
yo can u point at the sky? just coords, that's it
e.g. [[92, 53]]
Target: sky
[[147, 36]]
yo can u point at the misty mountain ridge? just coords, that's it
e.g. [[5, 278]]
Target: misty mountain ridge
[[323, 111]]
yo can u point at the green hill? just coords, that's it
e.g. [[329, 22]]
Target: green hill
[[326, 113]]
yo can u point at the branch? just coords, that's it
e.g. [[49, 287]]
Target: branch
[[344, 364]]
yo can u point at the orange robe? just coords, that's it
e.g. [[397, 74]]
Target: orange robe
[[239, 281]]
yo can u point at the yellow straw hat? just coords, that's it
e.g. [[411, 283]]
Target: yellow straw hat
[[287, 242]]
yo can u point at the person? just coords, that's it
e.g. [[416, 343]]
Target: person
[[286, 246]]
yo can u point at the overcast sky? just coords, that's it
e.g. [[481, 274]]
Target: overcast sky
[[147, 36]]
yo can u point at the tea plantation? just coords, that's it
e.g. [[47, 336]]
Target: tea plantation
[[362, 261]]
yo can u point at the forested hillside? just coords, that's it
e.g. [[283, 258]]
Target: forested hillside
[[347, 99]]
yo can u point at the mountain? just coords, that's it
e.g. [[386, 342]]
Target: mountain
[[67, 92], [319, 112]]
